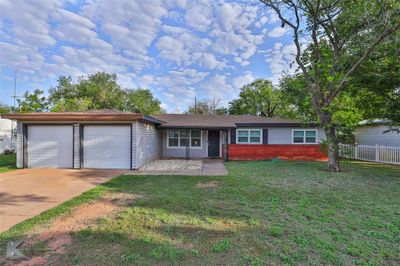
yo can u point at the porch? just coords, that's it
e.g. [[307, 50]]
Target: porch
[[194, 143]]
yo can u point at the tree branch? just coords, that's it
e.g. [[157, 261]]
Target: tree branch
[[358, 63]]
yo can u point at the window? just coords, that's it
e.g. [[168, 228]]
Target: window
[[311, 136], [184, 138], [173, 138], [252, 136], [298, 136], [195, 138], [304, 136]]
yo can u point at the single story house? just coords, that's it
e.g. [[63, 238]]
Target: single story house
[[6, 135], [124, 140], [375, 132]]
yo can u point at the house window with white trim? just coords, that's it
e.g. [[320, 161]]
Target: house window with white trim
[[249, 136], [173, 138], [195, 138], [184, 138], [304, 136]]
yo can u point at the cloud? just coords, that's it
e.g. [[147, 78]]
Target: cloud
[[180, 49], [277, 32], [131, 25], [280, 60], [199, 16]]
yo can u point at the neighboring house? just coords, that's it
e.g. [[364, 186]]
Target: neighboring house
[[6, 129], [374, 132], [109, 139]]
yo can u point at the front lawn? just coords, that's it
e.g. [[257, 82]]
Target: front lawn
[[7, 162], [262, 213]]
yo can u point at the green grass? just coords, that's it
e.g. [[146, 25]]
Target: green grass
[[262, 213], [7, 163]]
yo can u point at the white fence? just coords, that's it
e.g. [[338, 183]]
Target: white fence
[[377, 153]]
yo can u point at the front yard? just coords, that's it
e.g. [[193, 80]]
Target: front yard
[[262, 213]]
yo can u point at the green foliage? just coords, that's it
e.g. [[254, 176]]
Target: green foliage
[[7, 162], [76, 105], [33, 102], [276, 231], [222, 246], [295, 94], [260, 98], [141, 101], [5, 109], [97, 91]]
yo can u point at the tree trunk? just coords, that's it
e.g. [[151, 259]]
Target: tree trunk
[[333, 149]]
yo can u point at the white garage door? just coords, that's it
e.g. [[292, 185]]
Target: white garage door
[[107, 147], [50, 146]]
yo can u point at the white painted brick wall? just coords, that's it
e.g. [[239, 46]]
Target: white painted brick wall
[[20, 141], [76, 146], [146, 141]]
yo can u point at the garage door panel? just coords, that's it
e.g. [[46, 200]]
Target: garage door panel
[[107, 147], [50, 146]]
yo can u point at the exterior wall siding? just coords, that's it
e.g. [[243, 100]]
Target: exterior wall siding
[[20, 146], [181, 152], [76, 143], [372, 135], [135, 143], [6, 126], [270, 151], [283, 135], [146, 144]]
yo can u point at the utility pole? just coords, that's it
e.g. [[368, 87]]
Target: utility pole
[[15, 90], [14, 108], [195, 105]]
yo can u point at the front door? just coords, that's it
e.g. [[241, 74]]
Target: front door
[[213, 143]]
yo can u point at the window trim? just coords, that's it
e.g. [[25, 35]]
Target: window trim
[[304, 137], [248, 130], [179, 139]]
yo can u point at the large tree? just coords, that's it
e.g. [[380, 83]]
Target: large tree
[[339, 36], [260, 98], [97, 91]]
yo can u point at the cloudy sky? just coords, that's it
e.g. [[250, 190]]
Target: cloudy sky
[[179, 49]]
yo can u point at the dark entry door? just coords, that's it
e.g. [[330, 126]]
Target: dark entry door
[[213, 143]]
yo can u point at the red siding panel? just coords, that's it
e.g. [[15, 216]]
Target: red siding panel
[[270, 151]]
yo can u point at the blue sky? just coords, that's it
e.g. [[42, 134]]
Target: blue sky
[[179, 49]]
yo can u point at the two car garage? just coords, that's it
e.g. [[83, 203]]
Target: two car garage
[[100, 146]]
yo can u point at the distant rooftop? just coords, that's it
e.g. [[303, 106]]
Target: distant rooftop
[[375, 122]]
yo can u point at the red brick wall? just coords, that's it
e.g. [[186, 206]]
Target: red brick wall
[[270, 151]]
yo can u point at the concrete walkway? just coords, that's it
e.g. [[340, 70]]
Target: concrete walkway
[[26, 193], [211, 167]]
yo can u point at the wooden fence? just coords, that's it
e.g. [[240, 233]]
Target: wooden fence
[[373, 153]]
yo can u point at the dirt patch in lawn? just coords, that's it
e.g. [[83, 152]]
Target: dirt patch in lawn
[[57, 235], [211, 184]]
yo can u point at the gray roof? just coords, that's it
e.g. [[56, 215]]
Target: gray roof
[[221, 121]]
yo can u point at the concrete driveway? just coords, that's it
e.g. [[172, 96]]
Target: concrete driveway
[[28, 192]]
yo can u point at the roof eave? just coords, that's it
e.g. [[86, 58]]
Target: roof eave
[[287, 124], [53, 117], [192, 127]]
